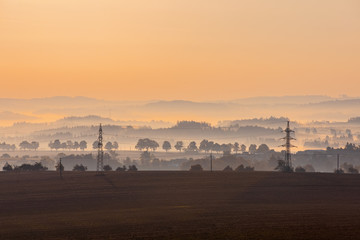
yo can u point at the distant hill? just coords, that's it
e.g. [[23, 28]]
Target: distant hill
[[11, 116], [272, 121], [284, 100], [295, 108], [346, 103], [86, 120], [180, 105]]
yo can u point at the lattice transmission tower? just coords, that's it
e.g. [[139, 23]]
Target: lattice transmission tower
[[288, 146], [100, 156]]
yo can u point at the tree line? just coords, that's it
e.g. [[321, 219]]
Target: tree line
[[144, 144], [78, 167], [70, 145], [204, 146], [24, 145]]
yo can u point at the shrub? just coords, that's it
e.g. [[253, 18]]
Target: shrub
[[79, 168], [309, 168], [281, 167], [121, 169], [196, 168], [338, 171], [300, 169], [28, 167], [353, 170], [228, 169], [241, 168], [7, 167], [132, 168], [107, 168], [5, 155]]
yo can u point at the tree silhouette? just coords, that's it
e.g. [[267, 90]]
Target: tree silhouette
[[252, 149], [241, 168], [216, 147], [263, 148], [108, 146], [5, 155], [28, 167], [226, 148], [300, 169], [64, 145], [6, 146], [243, 148], [281, 167], [153, 145], [209, 146], [196, 168], [228, 169], [76, 145], [132, 168], [141, 145], [121, 169], [57, 144], [83, 145], [95, 144], [80, 168], [166, 146], [192, 147], [7, 167], [147, 144], [236, 147], [145, 158], [107, 168], [204, 145], [34, 145], [69, 145], [179, 145], [26, 145], [115, 145]]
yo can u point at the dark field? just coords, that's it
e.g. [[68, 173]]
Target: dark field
[[179, 205]]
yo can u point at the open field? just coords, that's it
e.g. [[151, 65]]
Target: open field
[[179, 205]]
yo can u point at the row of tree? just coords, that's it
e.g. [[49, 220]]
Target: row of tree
[[5, 146], [240, 168], [205, 146], [70, 145], [24, 145], [78, 167], [107, 168], [108, 146], [25, 167]]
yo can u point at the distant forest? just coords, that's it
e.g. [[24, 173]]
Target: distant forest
[[70, 131]]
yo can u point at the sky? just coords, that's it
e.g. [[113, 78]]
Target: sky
[[180, 49]]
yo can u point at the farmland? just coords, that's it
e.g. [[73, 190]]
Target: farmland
[[179, 205]]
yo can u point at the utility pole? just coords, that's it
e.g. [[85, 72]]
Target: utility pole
[[211, 162], [100, 157], [60, 168], [338, 163]]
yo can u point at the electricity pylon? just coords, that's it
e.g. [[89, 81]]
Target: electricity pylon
[[100, 157], [288, 146]]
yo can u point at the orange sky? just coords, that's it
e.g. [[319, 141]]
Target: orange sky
[[179, 49]]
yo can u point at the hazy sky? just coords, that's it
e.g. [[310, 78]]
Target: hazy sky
[[179, 49]]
